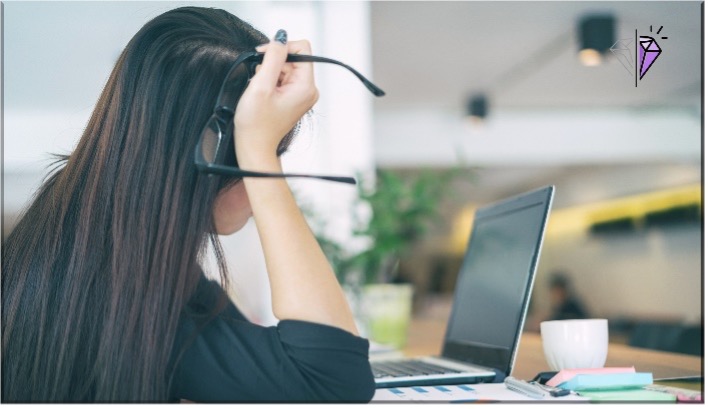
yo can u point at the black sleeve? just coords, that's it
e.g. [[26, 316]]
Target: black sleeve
[[231, 359]]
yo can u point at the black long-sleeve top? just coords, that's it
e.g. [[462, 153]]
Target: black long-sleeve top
[[229, 359]]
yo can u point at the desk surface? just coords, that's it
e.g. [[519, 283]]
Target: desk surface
[[425, 337]]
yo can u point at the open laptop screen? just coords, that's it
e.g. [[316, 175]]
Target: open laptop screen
[[495, 281]]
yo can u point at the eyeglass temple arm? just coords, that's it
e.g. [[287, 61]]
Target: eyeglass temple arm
[[229, 171], [312, 58]]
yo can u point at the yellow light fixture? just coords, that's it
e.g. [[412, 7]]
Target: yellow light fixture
[[590, 58], [596, 35], [577, 220]]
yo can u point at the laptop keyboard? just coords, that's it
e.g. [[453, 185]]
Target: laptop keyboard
[[413, 367]]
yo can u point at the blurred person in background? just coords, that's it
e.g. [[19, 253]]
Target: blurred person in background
[[565, 305]]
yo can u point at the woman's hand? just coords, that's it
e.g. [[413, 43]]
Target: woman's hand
[[303, 286], [278, 95]]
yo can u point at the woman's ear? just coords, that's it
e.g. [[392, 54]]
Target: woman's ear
[[232, 209]]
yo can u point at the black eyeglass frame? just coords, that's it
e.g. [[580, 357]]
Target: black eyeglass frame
[[225, 108]]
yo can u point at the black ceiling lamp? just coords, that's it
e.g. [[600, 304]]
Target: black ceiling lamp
[[596, 34], [477, 108]]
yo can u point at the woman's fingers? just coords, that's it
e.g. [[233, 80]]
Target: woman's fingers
[[300, 47], [275, 54], [294, 47], [304, 70], [275, 99], [301, 71]]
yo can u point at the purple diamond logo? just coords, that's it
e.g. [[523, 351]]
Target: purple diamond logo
[[648, 52], [637, 55]]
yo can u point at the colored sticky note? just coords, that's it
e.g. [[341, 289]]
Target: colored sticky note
[[628, 395], [608, 381], [568, 374]]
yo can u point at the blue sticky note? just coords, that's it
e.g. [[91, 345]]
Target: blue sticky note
[[599, 382], [419, 389]]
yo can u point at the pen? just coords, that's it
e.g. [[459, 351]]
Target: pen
[[524, 388]]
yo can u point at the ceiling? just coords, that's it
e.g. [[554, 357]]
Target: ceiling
[[426, 55], [524, 54], [430, 56]]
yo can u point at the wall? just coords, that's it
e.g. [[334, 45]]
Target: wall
[[538, 137], [653, 274]]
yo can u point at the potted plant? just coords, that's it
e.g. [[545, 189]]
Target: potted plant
[[402, 210]]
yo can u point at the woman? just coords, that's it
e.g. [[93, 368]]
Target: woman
[[103, 295]]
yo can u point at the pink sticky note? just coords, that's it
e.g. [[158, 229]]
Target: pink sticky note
[[568, 374]]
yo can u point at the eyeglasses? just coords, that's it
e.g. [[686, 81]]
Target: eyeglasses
[[215, 152]]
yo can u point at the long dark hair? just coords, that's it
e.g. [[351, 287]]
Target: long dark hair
[[96, 273]]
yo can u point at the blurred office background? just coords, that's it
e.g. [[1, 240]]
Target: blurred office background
[[626, 228]]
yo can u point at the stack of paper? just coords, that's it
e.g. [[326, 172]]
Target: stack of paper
[[481, 392]]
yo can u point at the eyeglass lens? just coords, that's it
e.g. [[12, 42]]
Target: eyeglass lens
[[211, 140]]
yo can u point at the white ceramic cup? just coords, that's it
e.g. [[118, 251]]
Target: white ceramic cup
[[575, 344]]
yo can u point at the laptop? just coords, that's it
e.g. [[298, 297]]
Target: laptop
[[491, 298]]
